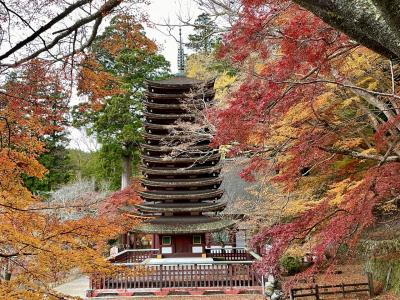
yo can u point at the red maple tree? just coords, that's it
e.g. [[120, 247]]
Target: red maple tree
[[301, 112]]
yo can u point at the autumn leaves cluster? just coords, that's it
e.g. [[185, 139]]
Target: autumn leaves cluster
[[42, 241], [319, 115]]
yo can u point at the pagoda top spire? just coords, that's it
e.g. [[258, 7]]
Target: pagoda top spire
[[181, 56]]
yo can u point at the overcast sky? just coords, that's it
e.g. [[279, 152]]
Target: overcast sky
[[167, 11], [160, 12]]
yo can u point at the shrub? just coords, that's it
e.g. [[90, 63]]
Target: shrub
[[291, 264]]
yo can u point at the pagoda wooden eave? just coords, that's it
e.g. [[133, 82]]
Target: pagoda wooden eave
[[178, 227], [177, 207], [181, 106], [158, 137], [181, 171], [209, 93], [165, 105], [162, 148], [167, 127], [182, 182], [179, 195], [168, 160], [149, 115], [178, 83]]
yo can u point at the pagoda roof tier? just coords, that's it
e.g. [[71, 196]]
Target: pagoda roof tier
[[179, 83], [158, 137], [182, 171], [177, 207], [179, 228], [198, 105], [181, 195], [207, 94], [168, 127], [169, 160], [165, 105], [195, 182], [167, 116], [162, 148]]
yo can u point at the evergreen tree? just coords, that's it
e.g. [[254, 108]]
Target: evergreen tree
[[55, 157], [205, 36], [112, 76], [57, 161]]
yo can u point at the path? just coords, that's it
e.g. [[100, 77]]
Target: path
[[76, 287]]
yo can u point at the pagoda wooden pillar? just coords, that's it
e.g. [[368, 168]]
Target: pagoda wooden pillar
[[132, 240], [156, 241], [232, 237], [207, 238]]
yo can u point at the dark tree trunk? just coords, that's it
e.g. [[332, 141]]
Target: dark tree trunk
[[373, 23]]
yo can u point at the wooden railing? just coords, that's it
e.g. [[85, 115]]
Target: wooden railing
[[215, 275], [133, 255], [229, 254], [316, 291]]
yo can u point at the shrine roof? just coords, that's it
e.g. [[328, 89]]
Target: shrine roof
[[178, 82], [181, 171], [189, 207], [183, 225], [173, 159], [189, 136], [167, 116], [181, 97], [162, 148], [181, 195], [182, 182]]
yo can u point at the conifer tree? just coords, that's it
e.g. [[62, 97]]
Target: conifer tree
[[205, 36], [112, 76]]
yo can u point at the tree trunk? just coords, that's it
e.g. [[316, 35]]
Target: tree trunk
[[126, 170], [374, 24]]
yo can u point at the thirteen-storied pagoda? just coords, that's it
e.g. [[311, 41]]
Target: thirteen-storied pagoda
[[181, 187], [181, 171]]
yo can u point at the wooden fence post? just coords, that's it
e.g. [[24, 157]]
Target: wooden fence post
[[291, 294], [370, 284], [316, 292]]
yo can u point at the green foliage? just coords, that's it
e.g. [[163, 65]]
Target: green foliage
[[125, 53], [205, 37], [381, 258], [291, 264], [383, 269], [84, 164], [103, 165], [57, 162]]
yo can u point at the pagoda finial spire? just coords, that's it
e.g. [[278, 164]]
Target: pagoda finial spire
[[181, 56]]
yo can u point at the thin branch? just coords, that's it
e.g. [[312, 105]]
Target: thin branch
[[97, 17], [44, 28], [345, 85], [356, 154]]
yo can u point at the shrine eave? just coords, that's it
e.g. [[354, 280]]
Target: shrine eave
[[178, 82], [162, 148], [186, 195], [182, 182], [179, 228], [192, 136], [181, 171], [209, 93], [161, 126], [167, 116], [168, 160], [176, 207]]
